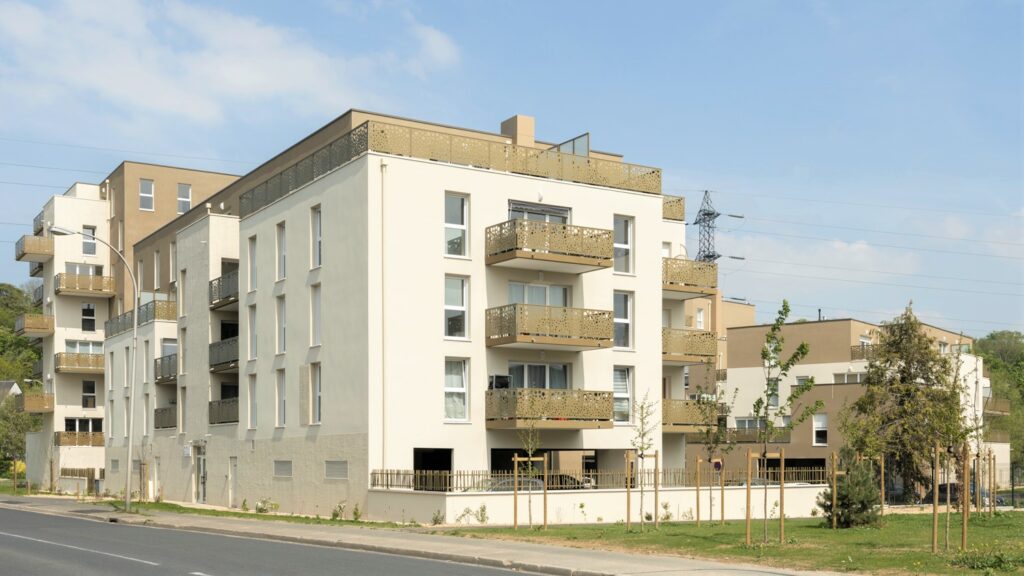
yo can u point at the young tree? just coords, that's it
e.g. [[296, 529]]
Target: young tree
[[14, 426], [769, 406], [530, 440], [856, 494], [645, 424], [911, 398], [714, 434]]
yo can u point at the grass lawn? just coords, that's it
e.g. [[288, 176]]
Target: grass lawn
[[902, 545], [144, 507]]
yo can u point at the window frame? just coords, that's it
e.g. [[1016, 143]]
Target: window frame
[[316, 230], [86, 395], [464, 308], [547, 374], [464, 390], [253, 335], [627, 321], [281, 324], [282, 250], [316, 295], [88, 240], [464, 227], [86, 306], [627, 246], [628, 396], [817, 427], [315, 393], [281, 399], [151, 195], [253, 404], [188, 187], [253, 276]]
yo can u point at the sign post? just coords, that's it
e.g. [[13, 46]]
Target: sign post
[[718, 464]]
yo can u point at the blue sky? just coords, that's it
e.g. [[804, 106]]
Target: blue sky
[[875, 148]]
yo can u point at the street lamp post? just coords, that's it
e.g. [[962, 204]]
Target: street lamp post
[[58, 231]]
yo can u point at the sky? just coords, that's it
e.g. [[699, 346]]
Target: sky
[[873, 149]]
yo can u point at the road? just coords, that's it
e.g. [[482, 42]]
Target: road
[[49, 545]]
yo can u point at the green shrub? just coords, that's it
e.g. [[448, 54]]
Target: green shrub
[[857, 496]]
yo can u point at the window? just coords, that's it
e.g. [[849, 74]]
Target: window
[[109, 374], [252, 402], [88, 394], [156, 270], [316, 236], [83, 269], [622, 384], [140, 273], [849, 377], [145, 361], [314, 315], [252, 263], [749, 423], [455, 289], [282, 326], [282, 468], [110, 427], [173, 261], [184, 198], [537, 212], [145, 414], [146, 192], [455, 390], [820, 423], [281, 405], [252, 332], [182, 404], [282, 251], [115, 465], [88, 318], [666, 249], [456, 218], [182, 291], [553, 376], [623, 243], [182, 350], [84, 347], [538, 294], [120, 235], [89, 240], [700, 319], [623, 305], [336, 469], [773, 400], [315, 392]]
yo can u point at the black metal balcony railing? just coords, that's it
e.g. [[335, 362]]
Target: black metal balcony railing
[[165, 368], [224, 411], [224, 352], [224, 290], [148, 312], [165, 418]]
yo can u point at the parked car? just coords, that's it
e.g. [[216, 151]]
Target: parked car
[[507, 485], [568, 482], [954, 495]]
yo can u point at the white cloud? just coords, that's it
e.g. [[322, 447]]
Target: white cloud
[[437, 51]]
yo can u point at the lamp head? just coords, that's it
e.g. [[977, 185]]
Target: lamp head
[[58, 231]]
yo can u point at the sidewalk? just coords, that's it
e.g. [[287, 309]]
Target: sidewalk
[[526, 557]]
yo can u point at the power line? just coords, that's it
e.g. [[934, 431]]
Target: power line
[[33, 185], [860, 204], [877, 231], [121, 151], [884, 312], [850, 280], [51, 168], [940, 251], [982, 280]]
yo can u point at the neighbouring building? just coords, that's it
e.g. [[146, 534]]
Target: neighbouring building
[[81, 286]]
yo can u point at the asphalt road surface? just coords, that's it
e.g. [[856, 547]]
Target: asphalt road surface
[[47, 545]]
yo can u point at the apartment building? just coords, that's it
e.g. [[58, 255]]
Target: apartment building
[[79, 290], [839, 353], [396, 295]]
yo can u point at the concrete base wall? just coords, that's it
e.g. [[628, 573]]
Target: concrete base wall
[[586, 506]]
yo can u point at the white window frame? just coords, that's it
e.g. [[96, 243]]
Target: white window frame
[[463, 390], [151, 195], [547, 374], [819, 422], [628, 395], [699, 321], [281, 322], [281, 400], [627, 267], [464, 308], [253, 416], [187, 198], [628, 320], [282, 250], [316, 221], [315, 393], [253, 336], [463, 228], [156, 270], [253, 277], [89, 240], [316, 304], [84, 317]]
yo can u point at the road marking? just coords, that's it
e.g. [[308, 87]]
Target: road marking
[[62, 545]]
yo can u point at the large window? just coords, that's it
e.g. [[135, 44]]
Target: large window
[[184, 198], [282, 251], [455, 307], [537, 212], [456, 224], [539, 294], [623, 243], [252, 402], [88, 393], [315, 393], [456, 377], [282, 404], [820, 424], [316, 236], [84, 347], [88, 240], [252, 332], [252, 263], [314, 315], [553, 376], [88, 317], [146, 193], [622, 384], [282, 326], [623, 305]]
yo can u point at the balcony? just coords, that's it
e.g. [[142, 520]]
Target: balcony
[[683, 279], [673, 208], [33, 325], [164, 418], [493, 154], [70, 363], [721, 375], [518, 409], [35, 269], [548, 247], [224, 355], [38, 224], [78, 439], [548, 327], [84, 285], [34, 403], [224, 291], [862, 352], [997, 406], [37, 295], [224, 411], [997, 436], [33, 248], [165, 369], [688, 347], [155, 310], [681, 416]]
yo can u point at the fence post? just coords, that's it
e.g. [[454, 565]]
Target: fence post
[[749, 479], [546, 454], [629, 498], [965, 497], [935, 499], [835, 481], [721, 491], [782, 495], [657, 476], [881, 482], [992, 482], [515, 492], [699, 460]]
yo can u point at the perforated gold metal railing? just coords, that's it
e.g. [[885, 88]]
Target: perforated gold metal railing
[[73, 362], [680, 413], [84, 283], [34, 403], [33, 324], [454, 149], [550, 238], [537, 404], [678, 272], [673, 208], [676, 342], [34, 246], [513, 322]]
